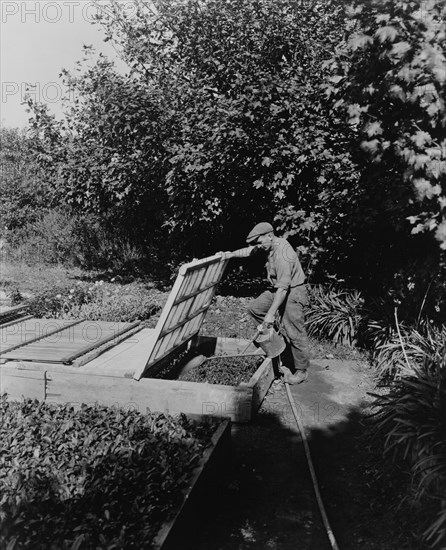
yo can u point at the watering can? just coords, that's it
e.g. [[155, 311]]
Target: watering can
[[270, 341]]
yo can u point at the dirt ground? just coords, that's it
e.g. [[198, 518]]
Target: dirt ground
[[269, 502]]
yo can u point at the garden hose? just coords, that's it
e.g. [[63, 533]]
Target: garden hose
[[320, 503]]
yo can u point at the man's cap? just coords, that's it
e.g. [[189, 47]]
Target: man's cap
[[260, 229]]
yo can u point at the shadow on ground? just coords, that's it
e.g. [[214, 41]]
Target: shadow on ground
[[269, 502]]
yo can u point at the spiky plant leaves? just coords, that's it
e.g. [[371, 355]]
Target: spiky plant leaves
[[335, 315], [412, 416], [418, 344]]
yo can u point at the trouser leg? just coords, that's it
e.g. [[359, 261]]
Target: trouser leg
[[294, 324], [259, 307]]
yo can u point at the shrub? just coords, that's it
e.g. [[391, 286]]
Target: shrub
[[24, 189], [102, 247], [412, 416], [239, 281], [15, 296], [59, 237], [96, 478], [391, 356], [335, 315], [49, 238]]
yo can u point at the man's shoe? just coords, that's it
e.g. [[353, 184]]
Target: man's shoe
[[297, 378], [277, 385]]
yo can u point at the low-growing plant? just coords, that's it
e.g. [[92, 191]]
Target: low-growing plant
[[121, 305], [335, 315], [58, 302], [15, 296], [379, 322], [231, 371], [412, 416], [98, 302], [409, 345], [96, 478]]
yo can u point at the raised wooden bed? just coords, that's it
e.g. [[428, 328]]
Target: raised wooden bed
[[108, 380], [207, 479], [129, 466], [116, 364], [9, 315]]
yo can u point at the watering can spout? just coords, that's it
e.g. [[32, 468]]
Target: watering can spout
[[270, 341]]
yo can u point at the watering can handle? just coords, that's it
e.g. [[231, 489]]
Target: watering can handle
[[262, 327]]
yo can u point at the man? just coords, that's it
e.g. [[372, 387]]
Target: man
[[288, 294]]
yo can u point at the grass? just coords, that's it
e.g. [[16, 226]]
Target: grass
[[30, 280], [59, 292]]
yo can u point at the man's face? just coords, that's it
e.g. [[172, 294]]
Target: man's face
[[264, 241]]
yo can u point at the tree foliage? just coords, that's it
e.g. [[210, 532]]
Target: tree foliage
[[389, 81], [302, 113], [107, 155], [217, 124], [23, 190]]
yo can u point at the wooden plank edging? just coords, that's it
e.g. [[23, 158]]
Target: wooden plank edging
[[13, 310], [61, 328], [95, 345], [16, 320], [117, 387], [66, 384], [173, 535]]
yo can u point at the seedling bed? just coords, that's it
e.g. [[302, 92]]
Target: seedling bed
[[198, 501], [106, 476], [133, 367], [230, 370]]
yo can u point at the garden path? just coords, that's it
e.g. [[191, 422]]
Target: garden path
[[269, 503]]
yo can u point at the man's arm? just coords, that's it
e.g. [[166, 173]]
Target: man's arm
[[280, 294], [240, 253], [279, 297]]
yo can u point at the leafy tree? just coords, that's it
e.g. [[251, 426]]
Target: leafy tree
[[237, 111], [23, 190], [107, 155], [220, 121], [389, 81]]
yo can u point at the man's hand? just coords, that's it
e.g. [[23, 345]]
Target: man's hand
[[225, 255], [269, 319]]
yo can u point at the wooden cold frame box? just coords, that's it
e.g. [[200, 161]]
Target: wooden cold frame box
[[115, 369]]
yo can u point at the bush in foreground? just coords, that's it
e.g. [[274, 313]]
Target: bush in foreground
[[335, 315], [414, 346], [96, 478], [412, 417]]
